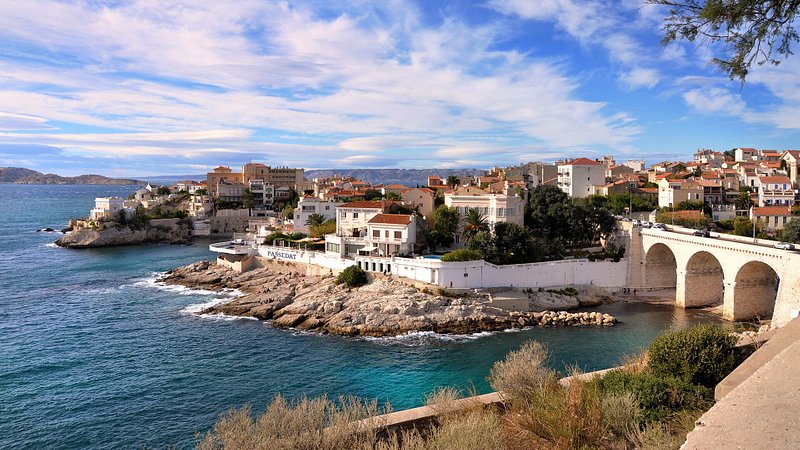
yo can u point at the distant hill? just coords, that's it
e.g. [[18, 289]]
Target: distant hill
[[20, 175], [408, 177]]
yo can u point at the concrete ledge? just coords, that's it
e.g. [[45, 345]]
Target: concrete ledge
[[777, 342], [425, 416]]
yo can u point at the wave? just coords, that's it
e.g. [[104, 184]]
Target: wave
[[155, 281], [414, 338], [51, 245]]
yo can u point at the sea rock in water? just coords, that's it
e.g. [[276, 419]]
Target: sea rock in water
[[113, 236]]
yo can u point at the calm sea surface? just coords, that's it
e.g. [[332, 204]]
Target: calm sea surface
[[94, 355]]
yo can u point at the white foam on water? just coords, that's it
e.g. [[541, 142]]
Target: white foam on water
[[196, 308], [51, 245], [414, 338]]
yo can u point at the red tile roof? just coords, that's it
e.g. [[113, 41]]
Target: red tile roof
[[772, 211], [582, 162], [392, 219], [367, 205], [775, 180]]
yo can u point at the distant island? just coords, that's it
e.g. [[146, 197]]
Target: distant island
[[21, 175]]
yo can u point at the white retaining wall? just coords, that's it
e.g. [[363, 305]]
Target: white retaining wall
[[469, 274]]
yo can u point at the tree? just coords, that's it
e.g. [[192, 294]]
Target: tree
[[730, 155], [743, 201], [680, 167], [751, 31], [474, 222], [791, 231], [314, 220], [742, 226], [393, 196], [698, 172], [288, 212], [162, 190], [327, 227], [248, 200], [372, 194], [453, 181], [445, 227]]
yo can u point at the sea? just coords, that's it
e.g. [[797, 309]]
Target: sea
[[95, 353]]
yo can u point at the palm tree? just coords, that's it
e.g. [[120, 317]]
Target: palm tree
[[474, 222], [453, 181], [743, 201], [315, 220]]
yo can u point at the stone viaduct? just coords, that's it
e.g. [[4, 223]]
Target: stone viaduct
[[750, 281]]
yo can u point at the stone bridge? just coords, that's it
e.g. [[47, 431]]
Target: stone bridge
[[750, 280]]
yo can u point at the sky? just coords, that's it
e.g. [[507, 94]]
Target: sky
[[169, 87]]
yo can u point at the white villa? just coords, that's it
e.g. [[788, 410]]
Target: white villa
[[106, 207], [495, 207], [390, 234]]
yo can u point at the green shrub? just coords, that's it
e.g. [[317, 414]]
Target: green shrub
[[352, 276], [702, 355], [659, 396], [462, 254]]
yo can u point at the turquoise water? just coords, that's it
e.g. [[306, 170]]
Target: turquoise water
[[94, 355]]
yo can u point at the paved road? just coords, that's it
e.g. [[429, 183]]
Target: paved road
[[721, 236]]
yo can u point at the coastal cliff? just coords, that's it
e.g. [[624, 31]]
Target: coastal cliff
[[176, 232], [281, 292]]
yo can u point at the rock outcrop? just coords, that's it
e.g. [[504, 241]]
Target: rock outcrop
[[113, 236], [385, 307]]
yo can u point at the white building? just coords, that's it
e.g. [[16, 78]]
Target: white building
[[495, 207], [106, 207], [577, 177], [309, 205], [351, 226], [390, 234]]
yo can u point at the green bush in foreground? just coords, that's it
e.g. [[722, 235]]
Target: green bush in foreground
[[702, 355], [352, 276], [659, 396], [462, 254]]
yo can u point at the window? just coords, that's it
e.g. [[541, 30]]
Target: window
[[386, 234], [398, 235], [376, 233], [343, 215], [355, 215], [588, 178], [327, 208]]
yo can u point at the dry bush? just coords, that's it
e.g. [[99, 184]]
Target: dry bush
[[523, 372], [621, 415], [559, 417], [308, 424]]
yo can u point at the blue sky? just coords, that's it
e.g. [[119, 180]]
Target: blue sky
[[152, 87]]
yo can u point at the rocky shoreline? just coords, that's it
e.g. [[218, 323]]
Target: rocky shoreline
[[114, 236], [283, 293]]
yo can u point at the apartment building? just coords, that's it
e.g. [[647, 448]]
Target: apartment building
[[578, 177], [775, 190]]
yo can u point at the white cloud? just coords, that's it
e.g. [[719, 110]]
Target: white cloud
[[715, 100], [10, 121], [640, 77], [206, 76]]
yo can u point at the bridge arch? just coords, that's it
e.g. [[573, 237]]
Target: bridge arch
[[755, 290], [660, 267], [703, 281]]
